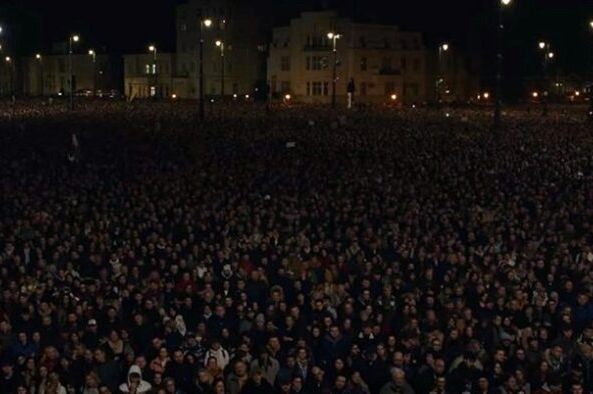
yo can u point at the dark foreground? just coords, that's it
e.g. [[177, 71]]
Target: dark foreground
[[294, 252]]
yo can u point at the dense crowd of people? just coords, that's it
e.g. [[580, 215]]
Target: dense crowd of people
[[294, 250]]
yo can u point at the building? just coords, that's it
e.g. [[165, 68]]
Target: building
[[147, 75], [237, 63], [47, 75], [384, 62]]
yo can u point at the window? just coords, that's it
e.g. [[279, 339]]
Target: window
[[154, 68], [389, 88], [325, 88], [386, 63], [308, 88], [363, 41], [317, 88], [318, 63], [308, 64], [285, 86], [404, 64], [285, 63], [152, 91], [147, 70], [363, 88], [416, 65], [363, 64]]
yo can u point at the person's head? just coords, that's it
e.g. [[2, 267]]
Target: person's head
[[163, 354], [219, 387], [483, 383], [91, 380], [170, 386], [212, 362], [577, 388], [240, 368], [297, 383], [178, 356], [340, 382], [7, 369], [399, 376], [134, 378], [439, 366], [100, 356], [257, 375]]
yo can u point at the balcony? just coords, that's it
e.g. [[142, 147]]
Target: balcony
[[320, 48]]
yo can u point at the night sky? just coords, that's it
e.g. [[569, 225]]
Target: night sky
[[121, 26]]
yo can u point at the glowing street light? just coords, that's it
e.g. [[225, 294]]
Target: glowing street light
[[220, 44], [38, 56], [551, 55], [486, 95], [535, 94], [499, 60], [173, 96], [204, 23], [393, 97], [7, 59], [334, 37], [445, 47], [287, 97], [74, 38], [542, 45]]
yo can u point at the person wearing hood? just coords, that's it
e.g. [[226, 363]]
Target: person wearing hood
[[135, 384]]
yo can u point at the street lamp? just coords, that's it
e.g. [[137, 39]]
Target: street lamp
[[220, 44], [499, 59], [93, 56], [40, 64], [440, 80], [9, 64], [334, 37], [153, 49], [204, 23], [74, 38], [548, 56]]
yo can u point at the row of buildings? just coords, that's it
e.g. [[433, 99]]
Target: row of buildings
[[239, 57]]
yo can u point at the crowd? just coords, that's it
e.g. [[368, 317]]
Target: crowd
[[293, 251]]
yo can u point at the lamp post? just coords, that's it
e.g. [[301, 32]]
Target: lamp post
[[440, 78], [39, 59], [71, 41], [9, 64], [204, 23], [93, 56], [334, 37], [220, 44], [499, 61], [548, 56], [153, 49], [590, 112]]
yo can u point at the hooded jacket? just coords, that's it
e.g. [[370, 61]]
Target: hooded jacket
[[143, 385]]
